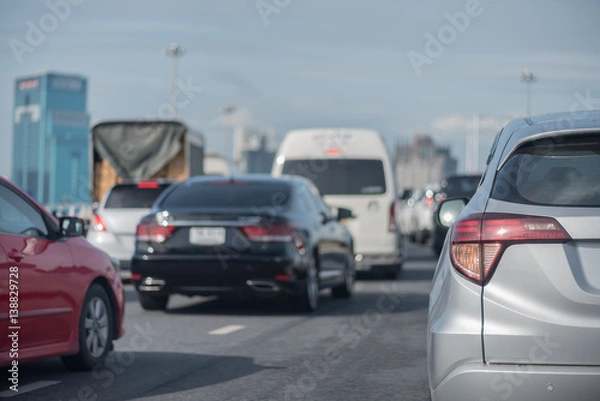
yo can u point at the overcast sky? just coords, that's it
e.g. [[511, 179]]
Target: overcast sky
[[401, 67]]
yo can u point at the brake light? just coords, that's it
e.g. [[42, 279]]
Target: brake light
[[136, 276], [147, 184], [276, 232], [98, 223], [269, 233], [477, 241], [153, 232], [332, 152], [392, 228]]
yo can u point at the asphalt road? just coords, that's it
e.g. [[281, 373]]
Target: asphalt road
[[371, 347]]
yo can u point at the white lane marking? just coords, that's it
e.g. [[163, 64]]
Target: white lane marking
[[27, 388], [223, 331]]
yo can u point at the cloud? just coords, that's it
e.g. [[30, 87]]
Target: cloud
[[453, 123]]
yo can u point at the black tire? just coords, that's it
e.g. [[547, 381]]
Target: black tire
[[393, 272], [308, 299], [345, 290], [96, 331], [153, 302]]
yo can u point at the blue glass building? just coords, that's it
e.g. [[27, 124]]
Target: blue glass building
[[50, 138]]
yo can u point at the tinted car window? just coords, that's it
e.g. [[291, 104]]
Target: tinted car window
[[17, 216], [560, 172], [305, 202], [228, 195], [341, 176], [455, 187], [132, 196]]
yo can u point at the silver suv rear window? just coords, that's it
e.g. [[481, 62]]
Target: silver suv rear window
[[558, 171], [133, 196]]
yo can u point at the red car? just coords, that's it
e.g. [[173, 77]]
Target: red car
[[59, 295]]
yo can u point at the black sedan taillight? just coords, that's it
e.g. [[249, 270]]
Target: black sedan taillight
[[274, 232], [153, 232]]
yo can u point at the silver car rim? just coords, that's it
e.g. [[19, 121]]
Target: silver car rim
[[312, 286], [96, 327]]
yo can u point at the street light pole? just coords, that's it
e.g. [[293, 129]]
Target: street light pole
[[174, 51], [472, 146], [528, 77], [228, 110]]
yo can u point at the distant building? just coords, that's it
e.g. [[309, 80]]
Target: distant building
[[254, 149], [50, 138], [422, 162]]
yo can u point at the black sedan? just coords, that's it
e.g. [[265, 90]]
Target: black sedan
[[248, 235]]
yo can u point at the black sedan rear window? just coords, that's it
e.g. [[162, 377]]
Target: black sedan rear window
[[564, 171], [222, 194]]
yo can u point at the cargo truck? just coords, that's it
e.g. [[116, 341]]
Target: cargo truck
[[133, 150]]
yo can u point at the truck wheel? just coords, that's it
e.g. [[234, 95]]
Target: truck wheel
[[96, 331], [153, 302]]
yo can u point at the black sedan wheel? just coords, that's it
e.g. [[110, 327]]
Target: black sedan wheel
[[308, 300], [345, 290], [96, 331]]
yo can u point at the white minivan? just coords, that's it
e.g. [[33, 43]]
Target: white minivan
[[352, 169]]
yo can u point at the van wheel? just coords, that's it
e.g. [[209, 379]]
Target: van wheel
[[394, 272], [96, 331], [153, 302]]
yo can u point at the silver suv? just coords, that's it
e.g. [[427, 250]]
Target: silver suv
[[114, 223], [514, 310]]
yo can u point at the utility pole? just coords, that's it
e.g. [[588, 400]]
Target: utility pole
[[228, 110], [174, 51], [528, 77], [472, 146]]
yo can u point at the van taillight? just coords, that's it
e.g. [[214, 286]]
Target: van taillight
[[98, 223], [153, 232], [477, 241], [392, 228]]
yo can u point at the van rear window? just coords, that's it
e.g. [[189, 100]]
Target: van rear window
[[341, 176]]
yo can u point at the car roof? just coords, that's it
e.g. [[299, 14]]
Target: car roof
[[136, 182], [547, 125], [253, 178], [555, 122]]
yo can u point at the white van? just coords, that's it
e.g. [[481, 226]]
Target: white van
[[352, 169]]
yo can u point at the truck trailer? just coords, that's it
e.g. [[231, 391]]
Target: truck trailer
[[133, 150]]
